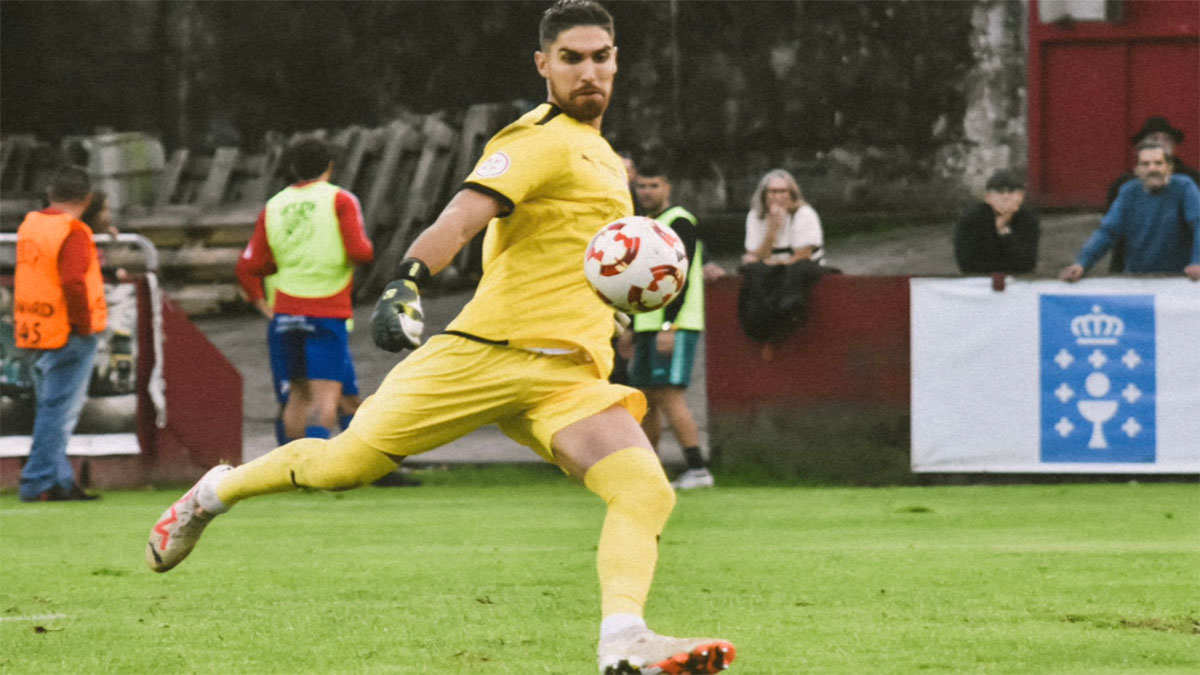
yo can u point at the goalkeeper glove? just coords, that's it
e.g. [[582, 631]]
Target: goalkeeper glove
[[397, 321]]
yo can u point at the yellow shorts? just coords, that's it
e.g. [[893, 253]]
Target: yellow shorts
[[452, 386]]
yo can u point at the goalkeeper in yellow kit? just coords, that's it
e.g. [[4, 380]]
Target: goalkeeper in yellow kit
[[530, 352]]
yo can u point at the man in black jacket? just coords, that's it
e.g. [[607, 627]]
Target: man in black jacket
[[998, 234]]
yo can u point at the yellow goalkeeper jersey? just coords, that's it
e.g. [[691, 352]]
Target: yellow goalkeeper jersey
[[560, 182]]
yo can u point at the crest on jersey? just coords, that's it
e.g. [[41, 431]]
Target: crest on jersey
[[495, 165]]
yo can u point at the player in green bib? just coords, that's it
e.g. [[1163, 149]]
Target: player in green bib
[[664, 341], [298, 271]]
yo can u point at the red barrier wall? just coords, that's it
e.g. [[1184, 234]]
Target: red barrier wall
[[853, 347], [831, 402]]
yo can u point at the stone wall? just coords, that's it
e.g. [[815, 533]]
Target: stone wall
[[994, 126]]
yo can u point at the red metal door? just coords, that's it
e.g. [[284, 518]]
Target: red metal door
[[1093, 84]]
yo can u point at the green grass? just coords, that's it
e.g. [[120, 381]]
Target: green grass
[[491, 571]]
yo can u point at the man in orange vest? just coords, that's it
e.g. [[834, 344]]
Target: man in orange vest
[[58, 311]]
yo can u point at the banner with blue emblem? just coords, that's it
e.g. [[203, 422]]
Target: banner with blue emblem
[[1099, 376]]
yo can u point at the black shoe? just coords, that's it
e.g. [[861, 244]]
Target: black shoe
[[76, 494], [58, 494], [398, 478]]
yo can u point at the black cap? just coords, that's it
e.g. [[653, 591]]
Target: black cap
[[1005, 179], [1155, 125]]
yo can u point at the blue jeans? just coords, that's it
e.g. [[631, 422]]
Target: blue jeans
[[60, 381]]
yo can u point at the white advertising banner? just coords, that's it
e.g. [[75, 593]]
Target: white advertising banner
[[1099, 376]]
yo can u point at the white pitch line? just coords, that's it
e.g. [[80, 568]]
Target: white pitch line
[[36, 617]]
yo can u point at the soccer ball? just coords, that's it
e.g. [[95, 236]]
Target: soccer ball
[[636, 264]]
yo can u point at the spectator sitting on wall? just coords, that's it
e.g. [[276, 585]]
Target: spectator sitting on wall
[[1159, 130], [781, 227], [998, 234], [784, 257], [1158, 216]]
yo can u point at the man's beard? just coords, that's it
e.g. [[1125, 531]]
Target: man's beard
[[1154, 182], [582, 109]]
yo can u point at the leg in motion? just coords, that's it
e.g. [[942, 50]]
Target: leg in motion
[[342, 463], [611, 454]]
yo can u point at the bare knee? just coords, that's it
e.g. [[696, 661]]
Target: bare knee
[[321, 414], [322, 403]]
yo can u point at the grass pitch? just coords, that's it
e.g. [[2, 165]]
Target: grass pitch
[[492, 571]]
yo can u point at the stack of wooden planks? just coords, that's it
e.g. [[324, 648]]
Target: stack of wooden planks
[[200, 208]]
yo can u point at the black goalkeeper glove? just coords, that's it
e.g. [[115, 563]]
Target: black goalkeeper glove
[[397, 321]]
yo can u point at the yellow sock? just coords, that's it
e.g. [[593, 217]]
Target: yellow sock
[[341, 463], [639, 498]]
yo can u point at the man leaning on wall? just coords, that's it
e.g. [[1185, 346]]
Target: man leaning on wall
[[1158, 216]]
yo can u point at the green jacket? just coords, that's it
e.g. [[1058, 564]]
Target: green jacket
[[691, 312]]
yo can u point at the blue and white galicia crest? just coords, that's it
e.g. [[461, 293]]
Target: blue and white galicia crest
[[1098, 382], [636, 264]]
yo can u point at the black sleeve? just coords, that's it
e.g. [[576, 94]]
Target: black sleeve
[[1023, 247], [506, 204], [689, 234], [970, 249]]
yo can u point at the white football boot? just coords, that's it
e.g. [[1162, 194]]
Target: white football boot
[[692, 479], [179, 527], [639, 650]]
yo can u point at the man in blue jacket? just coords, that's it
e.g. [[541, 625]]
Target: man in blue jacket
[[1158, 214]]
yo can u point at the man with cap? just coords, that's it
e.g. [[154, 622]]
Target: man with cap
[[998, 234]]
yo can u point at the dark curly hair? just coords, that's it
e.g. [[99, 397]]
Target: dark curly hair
[[308, 158], [566, 14]]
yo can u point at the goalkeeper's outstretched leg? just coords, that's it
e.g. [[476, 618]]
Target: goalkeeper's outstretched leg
[[342, 463]]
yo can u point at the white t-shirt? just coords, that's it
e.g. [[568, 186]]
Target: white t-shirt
[[804, 229]]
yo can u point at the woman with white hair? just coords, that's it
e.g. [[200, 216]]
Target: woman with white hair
[[782, 228]]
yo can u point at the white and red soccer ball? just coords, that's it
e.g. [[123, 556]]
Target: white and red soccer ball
[[636, 264]]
